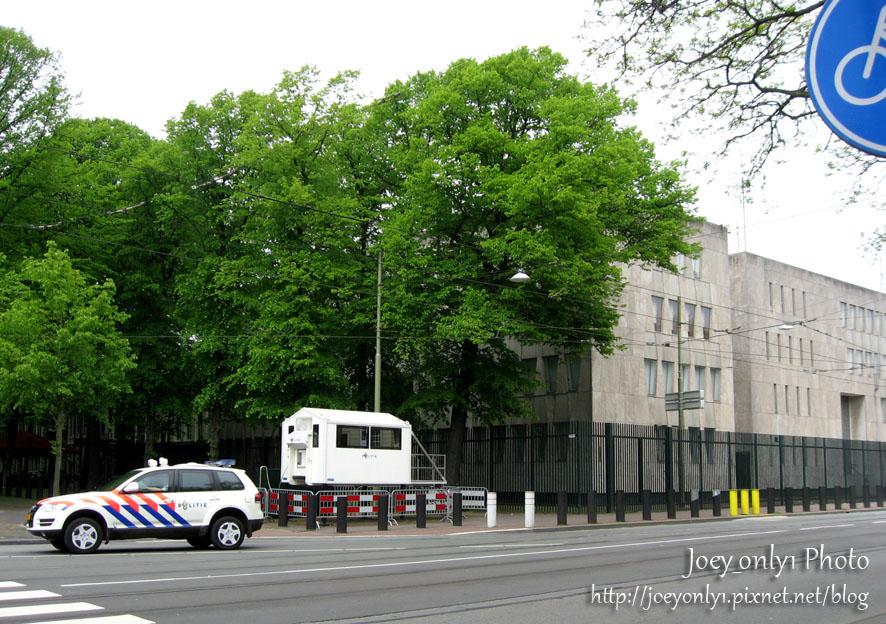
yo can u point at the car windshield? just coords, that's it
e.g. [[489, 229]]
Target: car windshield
[[116, 481]]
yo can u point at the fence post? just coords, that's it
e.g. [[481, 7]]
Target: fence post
[[788, 500], [311, 512], [822, 498], [879, 496], [852, 501], [838, 497], [609, 442], [715, 503], [806, 498], [770, 500], [283, 509], [341, 514], [382, 501], [491, 510], [866, 495], [529, 510], [562, 508], [456, 509], [646, 502], [672, 503], [620, 506], [592, 507], [694, 503], [421, 510]]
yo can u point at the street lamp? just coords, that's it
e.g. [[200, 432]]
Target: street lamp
[[520, 277]]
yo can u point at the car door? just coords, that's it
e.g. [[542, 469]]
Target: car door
[[144, 503], [196, 495]]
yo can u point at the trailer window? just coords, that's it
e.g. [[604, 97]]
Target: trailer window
[[352, 437], [315, 438], [385, 438]]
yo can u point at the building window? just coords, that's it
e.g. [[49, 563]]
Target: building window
[[667, 370], [771, 299], [706, 322], [793, 301], [851, 318], [811, 354], [787, 403], [674, 307], [651, 376], [573, 373], [850, 354], [870, 321], [529, 364], [700, 378], [767, 345], [690, 319], [657, 312], [684, 374], [809, 401], [715, 384], [778, 347], [551, 364], [680, 262], [883, 409], [775, 397], [801, 352], [790, 349], [696, 266]]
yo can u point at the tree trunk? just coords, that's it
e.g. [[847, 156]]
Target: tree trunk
[[459, 417], [57, 450], [93, 475], [9, 458], [149, 437], [214, 429]]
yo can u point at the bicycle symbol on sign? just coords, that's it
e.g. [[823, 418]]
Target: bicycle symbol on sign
[[872, 51]]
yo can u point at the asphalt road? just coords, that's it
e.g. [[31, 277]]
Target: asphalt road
[[833, 565]]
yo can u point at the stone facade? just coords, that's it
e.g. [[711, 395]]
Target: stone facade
[[776, 350]]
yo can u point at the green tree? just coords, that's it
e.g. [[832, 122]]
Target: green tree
[[60, 347], [506, 164]]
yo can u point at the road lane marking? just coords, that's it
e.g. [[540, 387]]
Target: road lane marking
[[59, 607], [421, 562], [8, 584], [106, 619], [27, 595], [830, 526]]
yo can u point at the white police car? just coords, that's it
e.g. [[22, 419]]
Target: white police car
[[204, 504]]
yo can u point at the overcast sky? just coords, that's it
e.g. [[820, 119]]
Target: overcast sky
[[144, 61]]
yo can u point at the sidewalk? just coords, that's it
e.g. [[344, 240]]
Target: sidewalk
[[13, 510]]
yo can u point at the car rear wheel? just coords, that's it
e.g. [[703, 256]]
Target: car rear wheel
[[83, 536], [227, 533]]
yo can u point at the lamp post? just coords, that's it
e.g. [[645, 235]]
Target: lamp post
[[376, 403]]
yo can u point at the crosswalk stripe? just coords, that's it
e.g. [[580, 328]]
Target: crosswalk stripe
[[59, 607], [27, 595], [7, 584], [107, 619]]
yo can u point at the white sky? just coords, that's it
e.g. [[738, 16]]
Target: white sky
[[144, 61]]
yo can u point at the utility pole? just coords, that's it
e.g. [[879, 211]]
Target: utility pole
[[680, 420], [376, 404]]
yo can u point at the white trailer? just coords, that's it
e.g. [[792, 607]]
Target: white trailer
[[324, 447]]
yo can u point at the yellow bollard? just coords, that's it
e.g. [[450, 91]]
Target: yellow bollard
[[733, 503], [755, 502], [745, 506]]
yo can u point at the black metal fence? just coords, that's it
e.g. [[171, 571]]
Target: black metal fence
[[577, 457]]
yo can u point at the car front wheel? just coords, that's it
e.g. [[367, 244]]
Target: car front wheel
[[83, 536], [227, 533]]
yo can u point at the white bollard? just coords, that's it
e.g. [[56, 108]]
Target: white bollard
[[529, 510], [491, 510]]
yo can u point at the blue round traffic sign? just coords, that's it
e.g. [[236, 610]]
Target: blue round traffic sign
[[846, 71]]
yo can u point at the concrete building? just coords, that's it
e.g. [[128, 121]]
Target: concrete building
[[808, 353], [776, 349]]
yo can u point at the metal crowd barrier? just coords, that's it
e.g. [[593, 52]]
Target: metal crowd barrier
[[364, 503]]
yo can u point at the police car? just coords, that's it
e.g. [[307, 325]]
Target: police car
[[208, 505]]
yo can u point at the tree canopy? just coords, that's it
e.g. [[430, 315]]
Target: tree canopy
[[236, 261], [733, 65]]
